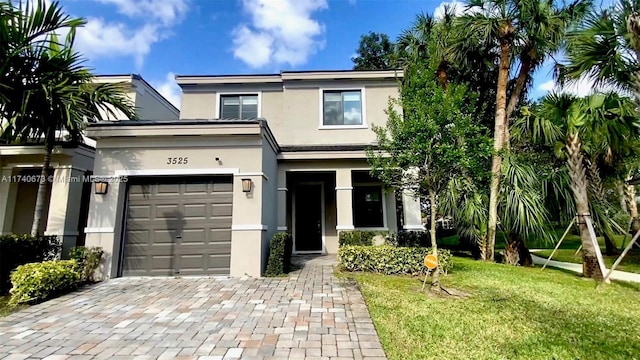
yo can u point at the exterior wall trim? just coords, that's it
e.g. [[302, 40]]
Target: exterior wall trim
[[283, 189], [283, 228], [344, 187], [258, 227], [98, 230], [413, 227], [159, 172], [252, 174], [345, 227]]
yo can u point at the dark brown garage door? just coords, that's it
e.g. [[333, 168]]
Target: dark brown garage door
[[179, 227]]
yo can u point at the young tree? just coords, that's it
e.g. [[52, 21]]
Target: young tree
[[374, 52], [56, 97], [430, 139]]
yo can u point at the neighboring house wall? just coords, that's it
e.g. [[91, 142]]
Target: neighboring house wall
[[65, 210]]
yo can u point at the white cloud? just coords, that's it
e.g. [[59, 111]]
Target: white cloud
[[99, 38], [110, 39], [353, 116], [581, 87], [279, 32], [457, 6], [167, 11], [169, 89]]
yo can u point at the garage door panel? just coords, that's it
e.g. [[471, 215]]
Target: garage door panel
[[219, 235], [199, 211], [139, 212], [221, 210], [223, 187]]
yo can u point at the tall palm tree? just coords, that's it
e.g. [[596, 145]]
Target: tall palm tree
[[574, 122], [605, 49], [528, 31], [56, 97]]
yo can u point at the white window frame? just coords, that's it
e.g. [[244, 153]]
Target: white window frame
[[219, 96], [363, 104], [383, 198]]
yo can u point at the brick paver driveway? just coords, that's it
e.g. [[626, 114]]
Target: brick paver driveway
[[311, 315]]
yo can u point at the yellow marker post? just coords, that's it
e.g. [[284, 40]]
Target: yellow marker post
[[430, 262]]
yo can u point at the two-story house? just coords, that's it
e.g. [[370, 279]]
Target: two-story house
[[250, 156], [68, 192]]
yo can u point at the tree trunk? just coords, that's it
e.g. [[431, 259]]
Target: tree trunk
[[521, 81], [623, 197], [632, 204], [435, 277], [516, 251], [442, 75], [44, 182], [498, 144], [590, 266]]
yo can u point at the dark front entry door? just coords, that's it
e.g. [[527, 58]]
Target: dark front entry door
[[308, 205]]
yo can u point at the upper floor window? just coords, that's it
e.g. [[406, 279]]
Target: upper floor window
[[238, 106], [342, 107]]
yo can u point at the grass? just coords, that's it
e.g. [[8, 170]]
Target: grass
[[512, 312]]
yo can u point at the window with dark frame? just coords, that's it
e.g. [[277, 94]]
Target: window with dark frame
[[342, 107], [238, 107], [367, 206]]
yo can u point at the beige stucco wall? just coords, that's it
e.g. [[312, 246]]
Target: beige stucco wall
[[293, 109], [239, 155], [63, 212]]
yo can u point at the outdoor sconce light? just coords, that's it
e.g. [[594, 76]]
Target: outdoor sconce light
[[101, 187], [246, 185]]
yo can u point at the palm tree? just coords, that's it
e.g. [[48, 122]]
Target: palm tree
[[57, 96], [599, 119], [605, 49], [529, 31]]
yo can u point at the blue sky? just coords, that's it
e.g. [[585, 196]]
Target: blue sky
[[161, 38]]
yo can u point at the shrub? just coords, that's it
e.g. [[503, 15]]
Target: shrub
[[20, 249], [279, 255], [410, 239], [356, 237], [40, 281], [390, 260], [88, 260]]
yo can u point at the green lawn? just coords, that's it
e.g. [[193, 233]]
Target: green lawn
[[512, 312]]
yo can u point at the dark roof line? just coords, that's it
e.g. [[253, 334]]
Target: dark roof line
[[175, 122], [338, 147]]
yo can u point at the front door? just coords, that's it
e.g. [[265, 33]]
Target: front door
[[308, 218]]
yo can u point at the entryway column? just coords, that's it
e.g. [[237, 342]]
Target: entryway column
[[282, 200], [8, 190], [344, 200], [411, 206], [64, 206]]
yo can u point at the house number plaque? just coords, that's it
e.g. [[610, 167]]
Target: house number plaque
[[178, 160]]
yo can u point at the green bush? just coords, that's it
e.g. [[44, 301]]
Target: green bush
[[16, 250], [40, 281], [410, 239], [357, 237], [390, 260], [88, 260], [279, 255]]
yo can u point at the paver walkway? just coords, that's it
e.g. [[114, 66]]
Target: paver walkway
[[577, 268], [311, 315]]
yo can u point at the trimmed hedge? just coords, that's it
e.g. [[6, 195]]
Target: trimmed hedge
[[88, 259], [390, 260], [357, 237], [280, 249], [40, 281], [410, 239], [20, 249]]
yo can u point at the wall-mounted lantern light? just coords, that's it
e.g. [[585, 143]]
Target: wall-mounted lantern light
[[101, 187], [246, 185]]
